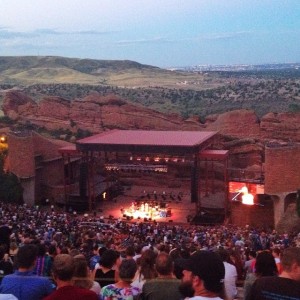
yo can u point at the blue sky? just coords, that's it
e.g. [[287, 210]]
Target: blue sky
[[164, 33]]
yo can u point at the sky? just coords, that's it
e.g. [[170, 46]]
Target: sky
[[163, 33]]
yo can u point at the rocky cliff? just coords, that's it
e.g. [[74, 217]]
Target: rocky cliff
[[94, 113], [241, 131], [97, 113]]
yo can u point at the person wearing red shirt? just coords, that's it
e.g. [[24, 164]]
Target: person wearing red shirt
[[63, 270]]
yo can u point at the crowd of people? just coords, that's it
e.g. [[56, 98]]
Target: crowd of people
[[52, 254]]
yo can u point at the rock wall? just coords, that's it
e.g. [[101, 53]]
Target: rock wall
[[94, 113], [281, 126], [97, 113], [241, 131], [239, 123]]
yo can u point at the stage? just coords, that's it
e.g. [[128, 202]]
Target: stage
[[147, 211]]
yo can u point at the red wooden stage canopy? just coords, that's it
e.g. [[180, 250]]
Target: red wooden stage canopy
[[174, 142]]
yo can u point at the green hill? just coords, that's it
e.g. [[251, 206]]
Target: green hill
[[27, 70]]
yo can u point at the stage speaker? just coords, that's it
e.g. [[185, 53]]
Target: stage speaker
[[170, 221], [83, 179], [145, 219], [194, 184]]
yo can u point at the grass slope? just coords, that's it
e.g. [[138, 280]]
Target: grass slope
[[25, 70]]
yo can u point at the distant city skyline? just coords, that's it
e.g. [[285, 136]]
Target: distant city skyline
[[167, 33]]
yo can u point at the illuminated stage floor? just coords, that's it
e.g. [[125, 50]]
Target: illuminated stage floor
[[180, 210]]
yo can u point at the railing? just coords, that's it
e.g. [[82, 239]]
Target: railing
[[136, 168]]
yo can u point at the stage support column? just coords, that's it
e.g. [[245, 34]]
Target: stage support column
[[92, 197], [65, 182], [226, 200], [195, 181], [89, 178], [68, 179]]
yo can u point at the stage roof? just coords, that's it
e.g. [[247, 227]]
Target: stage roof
[[148, 141]]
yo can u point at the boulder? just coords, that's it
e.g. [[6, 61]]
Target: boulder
[[238, 123], [281, 126]]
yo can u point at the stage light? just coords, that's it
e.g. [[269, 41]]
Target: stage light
[[248, 199]]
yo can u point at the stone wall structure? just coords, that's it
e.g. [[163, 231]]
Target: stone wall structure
[[282, 174], [38, 165]]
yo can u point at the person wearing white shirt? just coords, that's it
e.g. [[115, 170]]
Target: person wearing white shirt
[[230, 275]]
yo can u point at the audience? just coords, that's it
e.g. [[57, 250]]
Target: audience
[[6, 266], [63, 273], [284, 286], [105, 274], [122, 289], [24, 284], [165, 285], [101, 247], [203, 276], [230, 275], [146, 268], [264, 266], [82, 275]]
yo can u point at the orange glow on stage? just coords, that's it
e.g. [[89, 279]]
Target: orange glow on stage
[[145, 210], [247, 198]]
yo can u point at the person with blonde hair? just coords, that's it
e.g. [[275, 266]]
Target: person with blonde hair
[[82, 275]]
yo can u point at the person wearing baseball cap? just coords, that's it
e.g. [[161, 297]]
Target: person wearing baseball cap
[[203, 272]]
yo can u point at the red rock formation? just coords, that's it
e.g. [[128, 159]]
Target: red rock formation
[[94, 113], [281, 126], [15, 103], [97, 113], [240, 123]]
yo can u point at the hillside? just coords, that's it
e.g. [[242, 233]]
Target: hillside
[[185, 93], [27, 70]]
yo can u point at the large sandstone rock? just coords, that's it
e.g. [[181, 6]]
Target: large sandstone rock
[[240, 123], [94, 113], [15, 101], [98, 113], [282, 126], [290, 221]]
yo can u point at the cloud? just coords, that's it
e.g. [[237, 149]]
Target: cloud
[[227, 35], [207, 37], [9, 34], [91, 32], [145, 41]]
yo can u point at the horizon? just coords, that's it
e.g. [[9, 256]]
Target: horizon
[[172, 67], [166, 34]]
